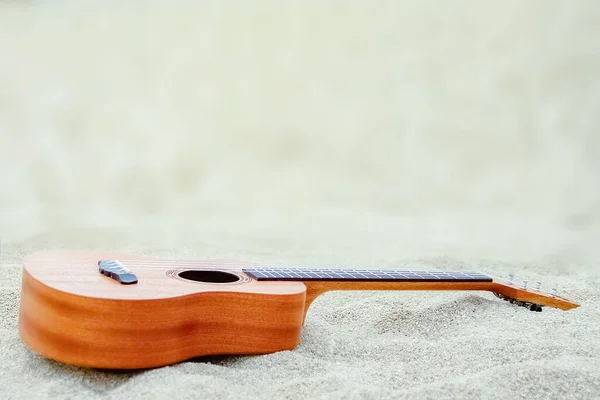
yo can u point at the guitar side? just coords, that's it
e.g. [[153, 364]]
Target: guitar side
[[114, 333]]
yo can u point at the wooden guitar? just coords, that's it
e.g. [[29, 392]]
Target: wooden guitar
[[114, 311]]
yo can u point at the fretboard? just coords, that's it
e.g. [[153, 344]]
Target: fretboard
[[334, 274]]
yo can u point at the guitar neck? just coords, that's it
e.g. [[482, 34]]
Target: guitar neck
[[320, 280]]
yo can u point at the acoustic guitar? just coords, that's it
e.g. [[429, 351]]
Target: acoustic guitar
[[115, 311]]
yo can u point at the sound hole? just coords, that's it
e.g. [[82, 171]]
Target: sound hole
[[209, 276]]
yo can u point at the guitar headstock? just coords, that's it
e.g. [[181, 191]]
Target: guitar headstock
[[530, 296]]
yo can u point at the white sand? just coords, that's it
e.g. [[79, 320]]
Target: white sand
[[422, 136]]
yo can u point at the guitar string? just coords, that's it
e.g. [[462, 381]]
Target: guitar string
[[161, 264], [274, 267], [142, 262], [158, 265], [302, 269], [185, 262], [217, 263], [298, 269]]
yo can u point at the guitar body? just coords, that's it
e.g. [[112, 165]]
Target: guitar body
[[115, 311], [71, 313]]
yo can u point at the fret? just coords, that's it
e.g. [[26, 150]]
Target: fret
[[334, 274]]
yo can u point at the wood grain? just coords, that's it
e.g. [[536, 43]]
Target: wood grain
[[109, 329]]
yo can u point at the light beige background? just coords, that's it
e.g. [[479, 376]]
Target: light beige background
[[422, 134]]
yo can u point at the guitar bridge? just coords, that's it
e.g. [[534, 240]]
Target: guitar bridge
[[117, 271], [526, 304]]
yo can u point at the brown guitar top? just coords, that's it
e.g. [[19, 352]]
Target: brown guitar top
[[116, 311]]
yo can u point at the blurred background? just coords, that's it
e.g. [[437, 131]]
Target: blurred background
[[314, 131]]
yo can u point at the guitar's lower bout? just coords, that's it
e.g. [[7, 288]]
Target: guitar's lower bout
[[117, 334]]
